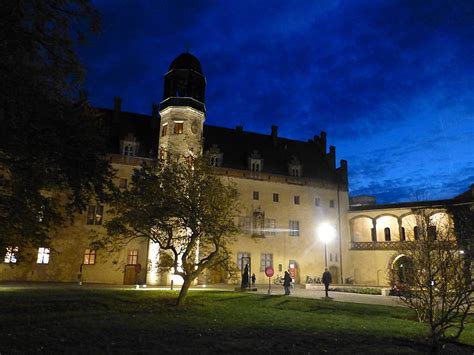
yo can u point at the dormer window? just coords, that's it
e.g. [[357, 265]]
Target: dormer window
[[294, 167], [129, 146], [215, 156], [255, 162]]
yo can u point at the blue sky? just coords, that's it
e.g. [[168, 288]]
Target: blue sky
[[391, 82]]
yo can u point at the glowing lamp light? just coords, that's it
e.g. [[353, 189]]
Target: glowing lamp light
[[326, 233]]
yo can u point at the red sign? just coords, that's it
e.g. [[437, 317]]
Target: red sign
[[269, 271]]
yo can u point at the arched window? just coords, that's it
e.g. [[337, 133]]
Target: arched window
[[432, 232], [403, 236], [373, 234], [416, 233], [387, 234]]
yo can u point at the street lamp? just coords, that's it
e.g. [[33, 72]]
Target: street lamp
[[326, 233]]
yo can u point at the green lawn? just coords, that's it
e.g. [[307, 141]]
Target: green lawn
[[125, 320]]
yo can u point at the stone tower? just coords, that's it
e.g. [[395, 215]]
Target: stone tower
[[182, 110]]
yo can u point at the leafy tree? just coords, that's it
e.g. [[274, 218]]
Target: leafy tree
[[184, 208], [436, 287], [50, 138]]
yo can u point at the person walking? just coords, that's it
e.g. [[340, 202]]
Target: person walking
[[327, 279], [287, 283]]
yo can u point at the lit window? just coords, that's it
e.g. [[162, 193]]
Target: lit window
[[10, 255], [276, 198], [123, 183], [89, 257], [265, 260], [95, 214], [297, 200], [164, 130], [317, 201], [256, 195], [132, 258], [178, 127], [331, 203], [294, 228], [388, 236], [43, 256]]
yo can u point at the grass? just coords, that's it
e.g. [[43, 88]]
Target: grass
[[146, 321]]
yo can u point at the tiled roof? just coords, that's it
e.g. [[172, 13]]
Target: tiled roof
[[236, 145]]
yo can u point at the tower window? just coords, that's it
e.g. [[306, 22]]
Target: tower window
[[388, 236], [403, 236], [178, 128], [296, 200], [256, 195], [164, 130], [331, 203], [276, 197], [317, 201]]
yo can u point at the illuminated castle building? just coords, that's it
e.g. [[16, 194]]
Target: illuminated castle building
[[291, 191]]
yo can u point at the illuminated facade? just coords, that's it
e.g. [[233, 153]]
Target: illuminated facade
[[289, 190]]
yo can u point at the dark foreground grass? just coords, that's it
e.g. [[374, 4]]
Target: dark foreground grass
[[68, 320]]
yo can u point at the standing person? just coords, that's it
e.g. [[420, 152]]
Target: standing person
[[287, 283], [254, 278], [245, 277], [327, 279]]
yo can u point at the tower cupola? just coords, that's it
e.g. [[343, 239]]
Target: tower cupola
[[185, 83]]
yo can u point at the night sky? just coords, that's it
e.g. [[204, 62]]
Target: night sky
[[391, 82]]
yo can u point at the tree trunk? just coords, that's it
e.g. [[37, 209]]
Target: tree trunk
[[184, 291]]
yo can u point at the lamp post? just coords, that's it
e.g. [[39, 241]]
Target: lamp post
[[326, 235]]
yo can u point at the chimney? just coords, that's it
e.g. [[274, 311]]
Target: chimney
[[117, 104], [117, 110], [274, 135], [343, 176], [322, 142], [331, 157]]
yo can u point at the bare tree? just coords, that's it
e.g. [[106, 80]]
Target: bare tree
[[433, 280], [184, 208]]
